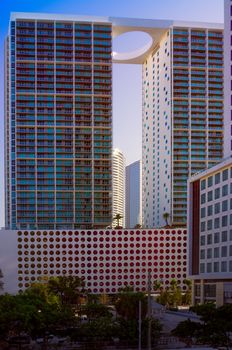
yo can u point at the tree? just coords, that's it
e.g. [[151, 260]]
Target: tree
[[67, 288], [137, 226], [166, 217], [187, 297], [117, 218], [1, 281], [127, 304], [157, 286]]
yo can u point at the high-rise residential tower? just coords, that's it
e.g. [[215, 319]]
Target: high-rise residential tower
[[182, 116], [133, 194], [118, 188], [228, 77], [58, 130]]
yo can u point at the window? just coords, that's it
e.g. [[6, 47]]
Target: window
[[225, 205], [203, 198], [230, 266], [216, 237], [225, 190], [217, 208], [209, 267], [224, 236], [210, 181], [217, 193], [216, 252], [210, 210], [224, 266], [224, 252], [203, 226], [209, 224], [210, 196], [230, 250], [224, 221], [216, 266], [202, 240], [202, 254], [216, 223], [202, 212], [209, 239], [231, 188], [202, 268], [203, 185], [230, 235], [217, 178], [210, 290], [230, 219], [225, 175], [209, 253]]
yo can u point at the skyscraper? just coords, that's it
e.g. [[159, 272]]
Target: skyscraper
[[118, 180], [182, 116], [133, 194], [227, 78], [58, 130]]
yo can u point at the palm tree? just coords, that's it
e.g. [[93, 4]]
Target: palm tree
[[118, 217], [157, 285], [166, 217]]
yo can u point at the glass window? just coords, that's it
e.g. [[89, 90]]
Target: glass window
[[203, 185], [224, 252], [203, 198], [225, 175], [202, 240], [230, 235], [231, 188], [231, 203], [230, 250], [230, 266], [224, 236], [217, 178], [216, 223], [210, 210], [225, 205], [209, 253], [210, 196], [210, 181], [209, 267], [203, 226], [225, 190], [224, 266], [216, 266], [216, 252], [230, 219], [202, 254], [209, 224], [202, 212], [217, 193], [202, 268], [217, 208], [224, 221], [209, 239], [216, 237]]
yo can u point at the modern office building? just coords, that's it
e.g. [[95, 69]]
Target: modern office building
[[228, 77], [58, 122], [210, 234], [118, 186], [106, 260], [182, 116], [133, 209]]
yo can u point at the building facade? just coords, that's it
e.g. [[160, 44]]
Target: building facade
[[210, 234], [118, 181], [106, 260], [58, 122], [182, 116], [133, 194], [228, 77]]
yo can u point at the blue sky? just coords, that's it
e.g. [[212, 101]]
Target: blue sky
[[127, 83]]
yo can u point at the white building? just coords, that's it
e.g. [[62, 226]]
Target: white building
[[133, 210], [228, 77], [210, 233], [182, 116], [118, 190], [107, 260]]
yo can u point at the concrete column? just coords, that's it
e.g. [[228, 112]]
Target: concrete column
[[219, 294], [202, 299]]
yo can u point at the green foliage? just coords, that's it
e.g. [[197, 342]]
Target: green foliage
[[127, 304], [67, 288], [94, 311], [215, 329], [172, 297], [117, 218]]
